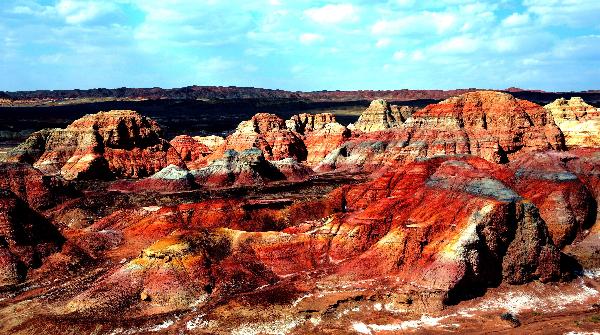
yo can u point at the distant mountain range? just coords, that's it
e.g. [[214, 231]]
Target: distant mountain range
[[76, 96]]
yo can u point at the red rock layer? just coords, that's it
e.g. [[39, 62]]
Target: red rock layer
[[115, 143], [31, 185], [192, 152], [447, 225], [268, 133], [491, 125], [565, 203], [320, 132], [26, 239]]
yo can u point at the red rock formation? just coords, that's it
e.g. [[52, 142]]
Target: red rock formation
[[248, 167], [320, 132], [579, 121], [492, 125], [380, 115], [115, 143], [30, 185], [267, 132], [190, 149], [448, 224], [565, 203], [196, 151], [26, 239]]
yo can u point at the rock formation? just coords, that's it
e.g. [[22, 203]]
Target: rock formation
[[211, 141], [115, 143], [480, 231], [30, 150], [579, 121], [269, 133], [170, 179], [320, 132], [380, 115], [248, 167], [450, 203], [192, 151], [565, 203], [26, 239], [492, 125]]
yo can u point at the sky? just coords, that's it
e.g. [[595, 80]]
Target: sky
[[300, 45]]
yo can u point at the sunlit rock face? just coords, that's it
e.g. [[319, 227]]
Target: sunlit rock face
[[267, 132], [579, 121], [192, 151], [248, 167], [102, 145], [320, 133], [446, 223], [380, 115], [491, 125], [26, 239]]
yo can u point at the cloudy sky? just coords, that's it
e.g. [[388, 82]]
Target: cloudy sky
[[301, 44]]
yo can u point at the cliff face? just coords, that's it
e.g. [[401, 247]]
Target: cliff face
[[102, 145], [26, 239], [381, 115], [579, 121], [491, 125], [268, 133], [320, 133]]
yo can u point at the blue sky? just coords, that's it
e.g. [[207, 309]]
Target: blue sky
[[300, 45]]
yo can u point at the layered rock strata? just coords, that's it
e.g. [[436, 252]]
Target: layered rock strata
[[579, 121], [380, 115], [268, 133], [102, 145], [491, 125], [320, 132], [248, 167]]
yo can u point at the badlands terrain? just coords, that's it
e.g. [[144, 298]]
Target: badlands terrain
[[474, 214]]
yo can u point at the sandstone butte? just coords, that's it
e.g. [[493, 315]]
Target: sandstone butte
[[102, 145], [579, 121], [492, 125], [380, 115], [474, 196]]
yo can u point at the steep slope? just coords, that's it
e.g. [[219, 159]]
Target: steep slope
[[269, 133], [26, 239], [491, 125], [320, 133], [102, 145], [579, 121]]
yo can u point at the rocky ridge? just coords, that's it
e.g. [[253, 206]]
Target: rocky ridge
[[492, 125], [102, 145], [579, 121], [475, 194]]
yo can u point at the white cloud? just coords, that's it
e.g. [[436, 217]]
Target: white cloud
[[516, 20], [421, 23], [399, 55], [310, 38], [459, 44], [576, 13], [382, 43], [417, 55], [333, 14], [213, 68], [80, 11]]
